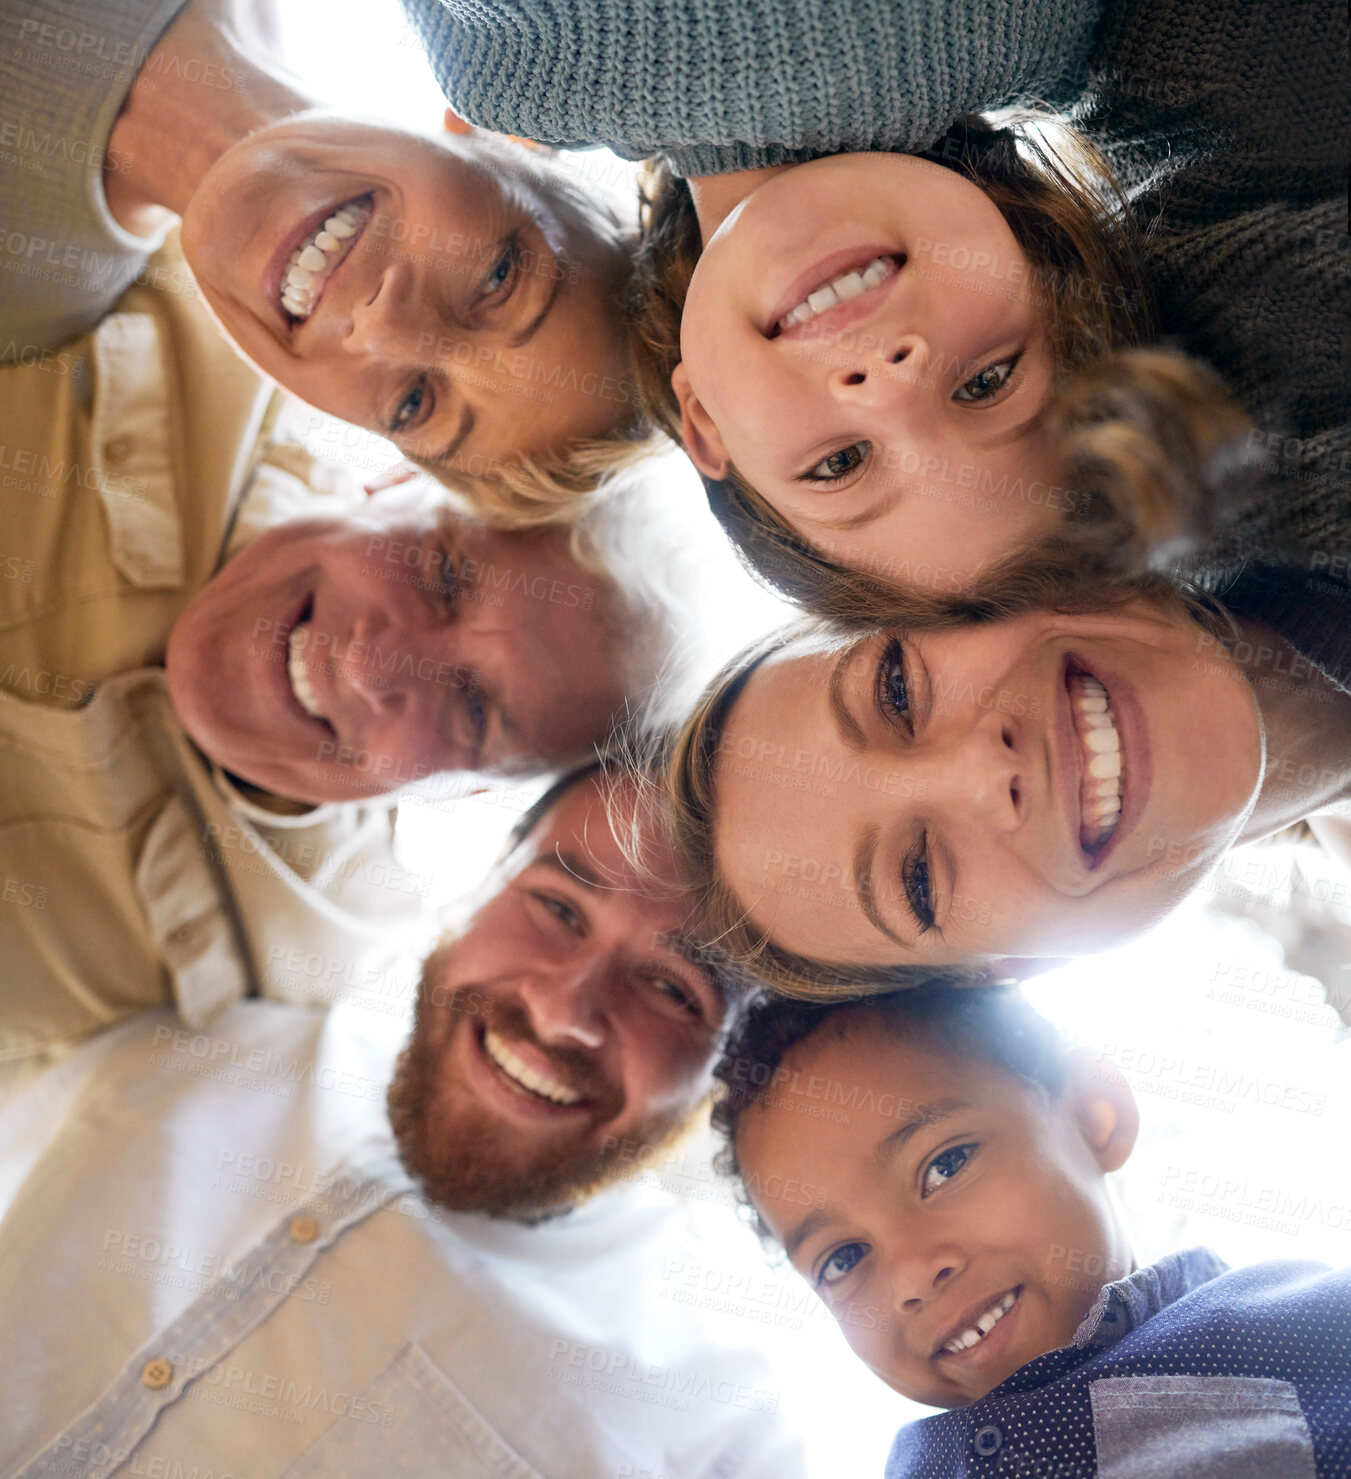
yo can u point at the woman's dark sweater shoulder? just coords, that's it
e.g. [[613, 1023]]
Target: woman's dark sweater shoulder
[[1228, 126]]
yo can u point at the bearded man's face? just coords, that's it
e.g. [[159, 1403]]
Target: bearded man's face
[[568, 1024]]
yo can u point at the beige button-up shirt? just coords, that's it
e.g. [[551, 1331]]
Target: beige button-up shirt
[[132, 873]]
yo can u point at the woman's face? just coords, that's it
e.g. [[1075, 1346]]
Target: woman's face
[[1039, 786], [456, 307], [891, 418]]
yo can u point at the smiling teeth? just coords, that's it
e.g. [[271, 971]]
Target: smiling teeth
[[1100, 793], [983, 1326], [314, 260], [521, 1073], [299, 674], [839, 290]]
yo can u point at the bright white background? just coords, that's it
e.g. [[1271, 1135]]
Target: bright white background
[[1244, 1094]]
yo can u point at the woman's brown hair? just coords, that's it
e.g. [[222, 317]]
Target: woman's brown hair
[[1144, 438]]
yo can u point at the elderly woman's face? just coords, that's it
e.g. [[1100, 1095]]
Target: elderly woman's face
[[414, 286], [1039, 786]]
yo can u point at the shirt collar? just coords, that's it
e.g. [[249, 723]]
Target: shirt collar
[[1128, 1303]]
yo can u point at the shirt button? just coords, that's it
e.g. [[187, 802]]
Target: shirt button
[[988, 1441], [156, 1374], [304, 1229], [117, 450]]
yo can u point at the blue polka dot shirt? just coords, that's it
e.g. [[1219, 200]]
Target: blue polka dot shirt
[[1184, 1370]]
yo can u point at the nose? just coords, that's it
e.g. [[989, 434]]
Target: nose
[[384, 323], [979, 771], [368, 663], [566, 1000], [884, 375], [917, 1275]]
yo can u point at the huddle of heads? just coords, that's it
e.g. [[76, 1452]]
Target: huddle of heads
[[1000, 736]]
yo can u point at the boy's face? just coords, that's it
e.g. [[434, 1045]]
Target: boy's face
[[942, 1197]]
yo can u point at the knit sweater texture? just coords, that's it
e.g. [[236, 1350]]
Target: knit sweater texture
[[1228, 124], [65, 69], [720, 85]]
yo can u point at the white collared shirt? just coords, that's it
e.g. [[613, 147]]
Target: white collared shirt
[[210, 1264]]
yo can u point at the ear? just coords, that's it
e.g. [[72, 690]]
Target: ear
[[1104, 1107], [697, 430], [401, 472], [454, 124]]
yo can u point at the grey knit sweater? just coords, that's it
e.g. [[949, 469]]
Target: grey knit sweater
[[719, 85], [65, 68]]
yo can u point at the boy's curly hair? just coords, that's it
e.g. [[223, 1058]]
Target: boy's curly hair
[[993, 1025], [1148, 440]]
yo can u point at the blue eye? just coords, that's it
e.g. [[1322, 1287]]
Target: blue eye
[[918, 889], [944, 1166], [562, 911], [839, 463], [893, 688], [842, 1261], [500, 272], [986, 383], [409, 408]]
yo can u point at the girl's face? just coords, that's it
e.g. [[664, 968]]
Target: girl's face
[[863, 341], [1043, 785]]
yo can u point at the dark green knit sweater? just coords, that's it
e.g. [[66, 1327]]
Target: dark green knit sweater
[[1228, 124]]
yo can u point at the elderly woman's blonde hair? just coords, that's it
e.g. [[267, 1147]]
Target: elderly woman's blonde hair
[[558, 488]]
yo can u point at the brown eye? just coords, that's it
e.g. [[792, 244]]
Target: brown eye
[[944, 1167], [677, 994], [986, 383], [840, 463]]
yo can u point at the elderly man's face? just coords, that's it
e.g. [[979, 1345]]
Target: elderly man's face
[[564, 1028], [342, 657]]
